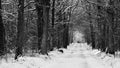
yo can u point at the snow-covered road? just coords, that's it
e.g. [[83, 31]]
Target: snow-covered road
[[77, 55]]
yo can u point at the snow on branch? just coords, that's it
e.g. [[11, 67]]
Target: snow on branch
[[29, 4], [5, 15], [74, 5], [5, 3], [45, 6], [6, 18], [102, 5], [33, 9], [8, 13]]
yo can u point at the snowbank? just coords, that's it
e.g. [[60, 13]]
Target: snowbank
[[107, 59], [77, 55]]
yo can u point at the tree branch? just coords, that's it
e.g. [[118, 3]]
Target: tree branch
[[29, 4], [96, 3], [7, 13], [30, 10]]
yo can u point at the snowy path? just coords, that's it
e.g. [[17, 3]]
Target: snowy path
[[77, 56]]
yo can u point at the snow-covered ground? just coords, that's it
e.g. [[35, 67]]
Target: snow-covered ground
[[77, 55]]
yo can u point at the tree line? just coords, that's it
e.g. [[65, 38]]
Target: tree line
[[104, 25], [42, 25], [30, 25]]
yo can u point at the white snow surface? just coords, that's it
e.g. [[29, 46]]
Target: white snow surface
[[77, 55]]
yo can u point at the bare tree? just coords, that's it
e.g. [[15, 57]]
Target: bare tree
[[46, 8], [39, 10], [2, 33], [20, 29]]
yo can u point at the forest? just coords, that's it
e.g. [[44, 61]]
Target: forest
[[39, 26]]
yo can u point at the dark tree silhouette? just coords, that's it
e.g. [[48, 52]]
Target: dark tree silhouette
[[20, 29], [39, 10], [2, 33], [46, 7], [53, 12]]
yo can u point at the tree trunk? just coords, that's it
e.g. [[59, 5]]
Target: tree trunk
[[39, 22], [102, 27], [92, 33], [65, 35], [53, 19], [46, 8], [53, 13], [2, 33], [20, 29], [111, 18]]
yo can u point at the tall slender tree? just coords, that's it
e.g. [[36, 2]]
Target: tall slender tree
[[53, 21], [46, 4], [111, 18], [2, 33], [53, 12], [20, 29], [39, 9], [92, 33]]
